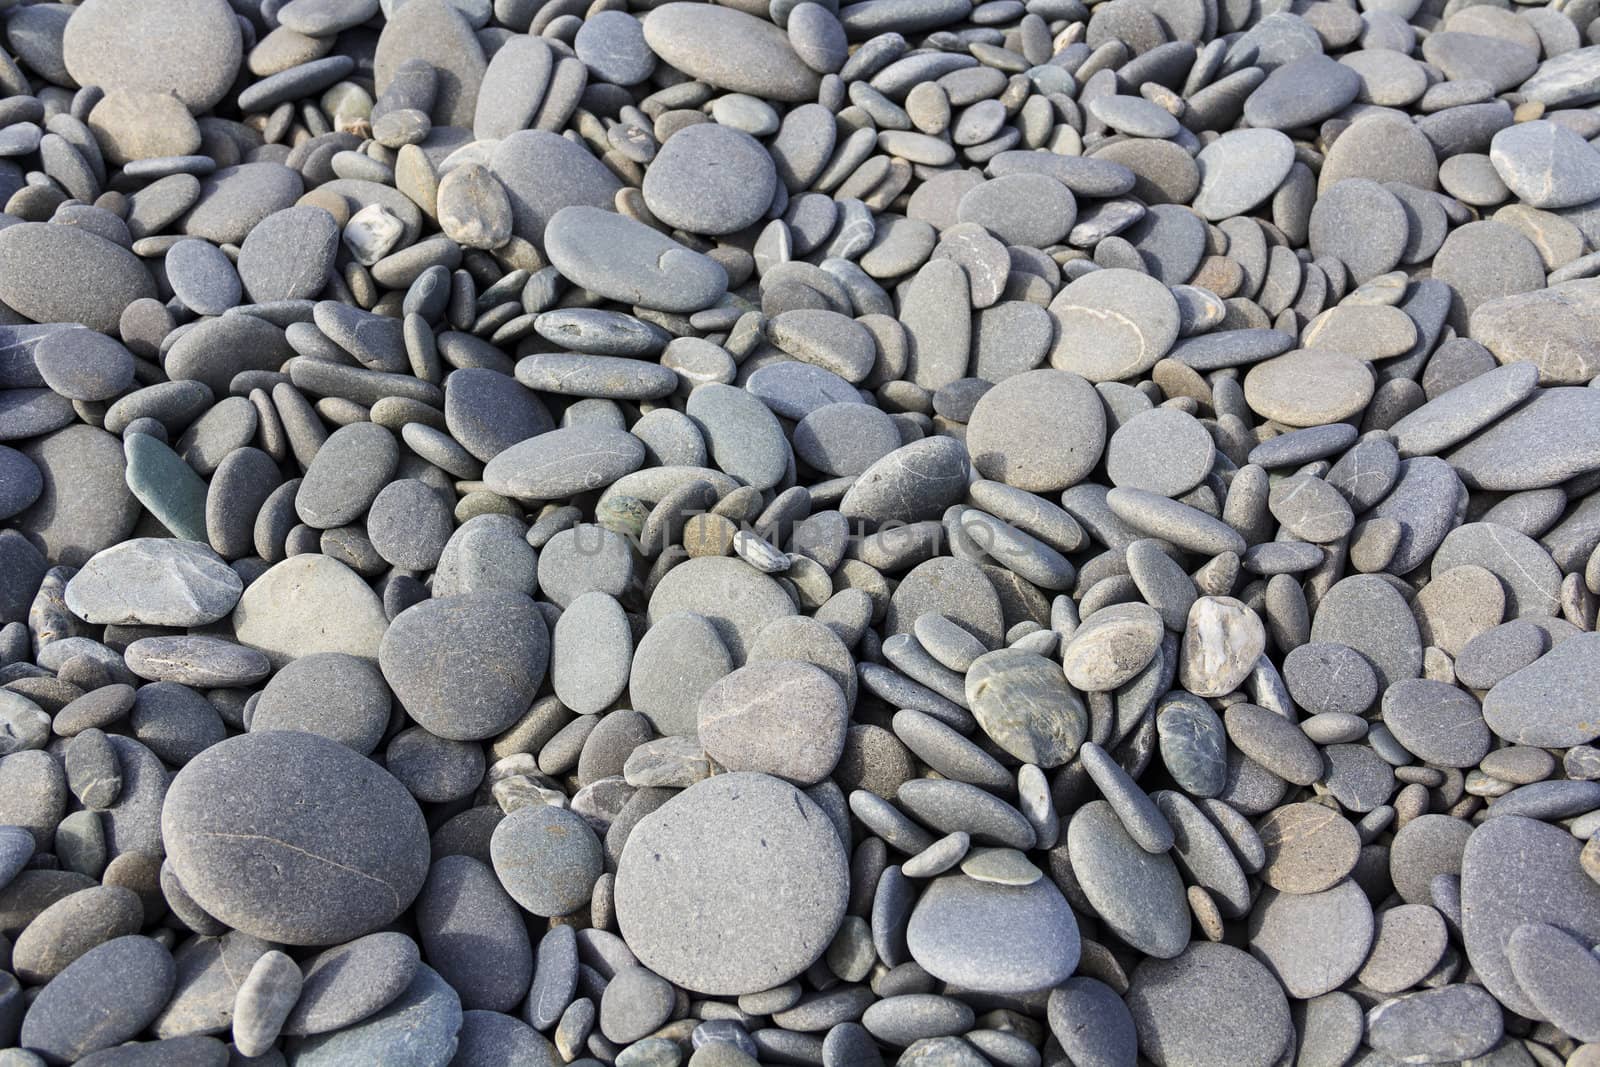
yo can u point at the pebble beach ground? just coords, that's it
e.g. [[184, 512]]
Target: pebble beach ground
[[911, 534]]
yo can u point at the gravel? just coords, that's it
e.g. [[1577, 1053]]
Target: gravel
[[907, 532]]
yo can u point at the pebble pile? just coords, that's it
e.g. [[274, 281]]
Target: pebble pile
[[918, 532]]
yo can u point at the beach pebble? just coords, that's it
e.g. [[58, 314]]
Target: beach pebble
[[751, 829], [261, 862]]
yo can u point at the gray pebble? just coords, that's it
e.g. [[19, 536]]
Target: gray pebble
[[214, 852], [756, 830]]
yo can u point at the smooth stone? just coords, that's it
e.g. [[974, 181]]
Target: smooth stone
[[83, 364], [1561, 346], [1452, 1022], [191, 48], [20, 482], [436, 32], [154, 582], [1544, 442], [1437, 722], [564, 462], [1312, 942], [1009, 444], [591, 651], [1308, 387], [1137, 894], [699, 852], [1113, 324], [711, 179], [57, 273], [1546, 165], [436, 656], [916, 481], [677, 659], [743, 435], [308, 604], [1516, 871], [1211, 1003], [474, 935], [341, 986], [1222, 641], [418, 1028], [334, 694], [1365, 613], [1022, 703], [202, 276], [779, 717], [1301, 93], [1308, 847], [547, 858], [1160, 450], [1193, 746], [1560, 974], [233, 200], [994, 938], [104, 997], [340, 803], [289, 255], [1458, 413], [1547, 703], [1111, 646], [621, 259], [166, 485], [730, 49], [542, 173], [1411, 939]]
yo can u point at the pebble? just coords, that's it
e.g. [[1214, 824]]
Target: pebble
[[1545, 703], [621, 259], [1112, 325], [1309, 848], [154, 582], [994, 938], [346, 856], [751, 829], [104, 997], [436, 657], [783, 718], [1502, 894], [710, 179], [37, 260], [1209, 1002], [1023, 704], [1138, 894]]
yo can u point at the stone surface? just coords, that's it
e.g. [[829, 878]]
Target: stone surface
[[294, 838], [699, 853]]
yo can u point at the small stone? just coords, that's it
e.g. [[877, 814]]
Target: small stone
[[711, 179], [1138, 894], [1312, 942], [1023, 704], [700, 852], [1210, 1003], [1309, 848], [1221, 644], [1547, 703], [1111, 646], [1113, 324], [436, 656], [1456, 1022], [1546, 165], [779, 717], [104, 997], [261, 862], [994, 938]]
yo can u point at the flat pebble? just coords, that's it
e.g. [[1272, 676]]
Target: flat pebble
[[749, 829]]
